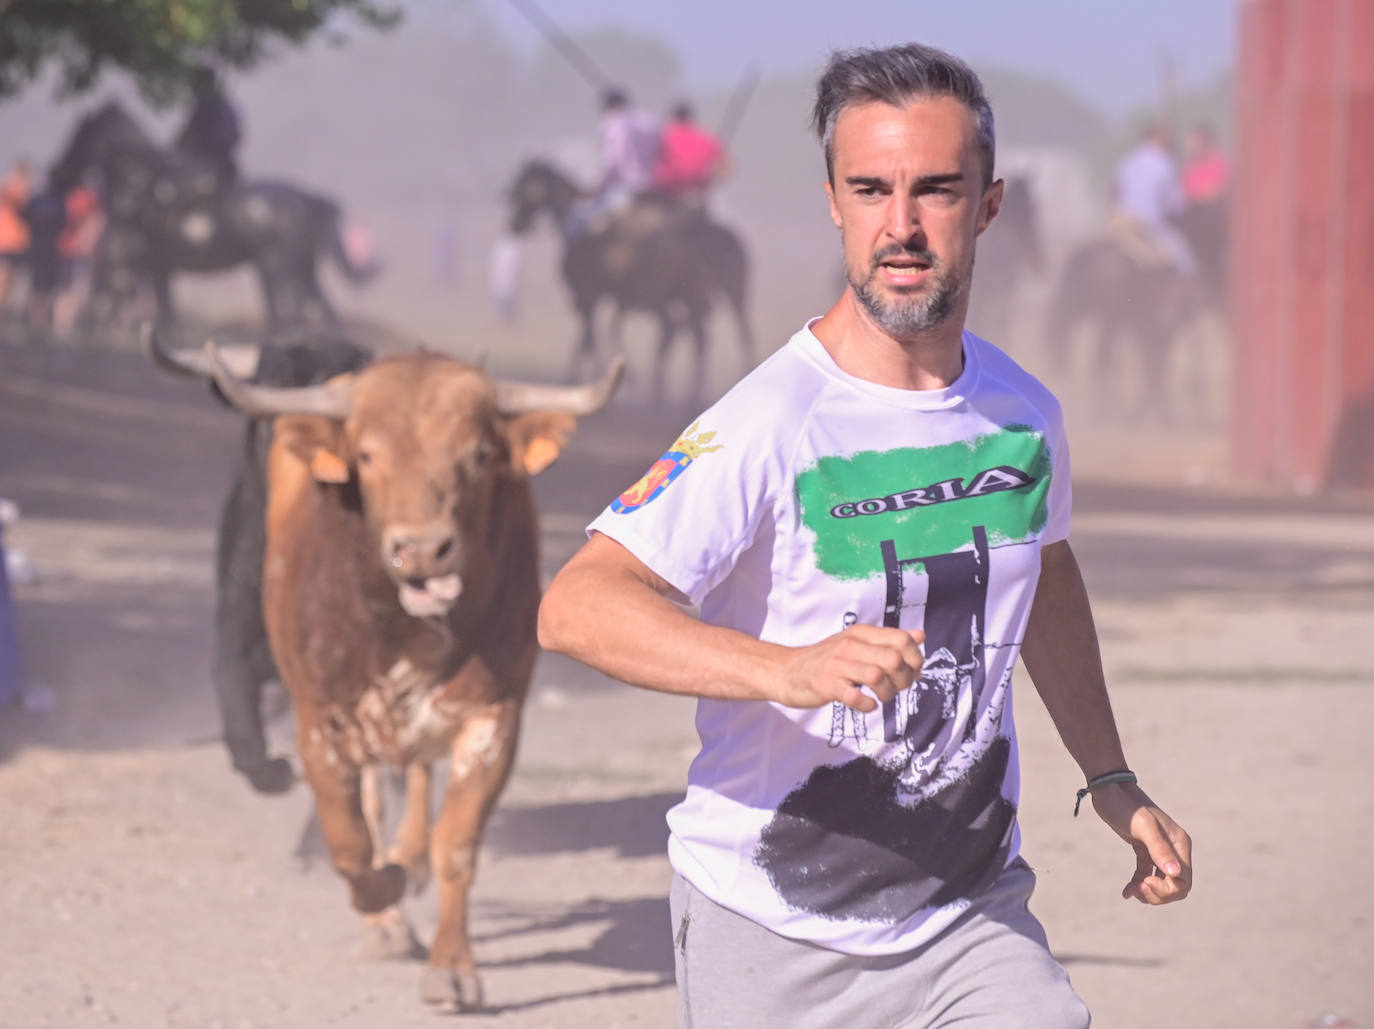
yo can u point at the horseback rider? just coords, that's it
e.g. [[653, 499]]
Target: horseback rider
[[1148, 198], [630, 142], [212, 131], [1207, 175], [690, 160]]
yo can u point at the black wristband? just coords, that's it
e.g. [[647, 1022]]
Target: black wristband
[[1121, 775]]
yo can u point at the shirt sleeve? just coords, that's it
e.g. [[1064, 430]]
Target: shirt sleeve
[[1060, 499], [698, 506]]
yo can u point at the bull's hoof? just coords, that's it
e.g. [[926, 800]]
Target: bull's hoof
[[388, 937], [275, 775], [417, 875], [461, 990], [378, 889]]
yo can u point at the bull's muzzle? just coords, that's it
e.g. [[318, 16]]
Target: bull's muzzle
[[421, 561]]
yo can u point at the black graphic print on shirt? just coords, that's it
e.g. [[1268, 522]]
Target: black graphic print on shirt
[[918, 820]]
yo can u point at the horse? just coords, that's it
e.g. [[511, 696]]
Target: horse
[[659, 257], [1123, 301], [168, 213], [1009, 252]]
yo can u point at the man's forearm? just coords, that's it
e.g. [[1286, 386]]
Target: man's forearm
[[613, 621], [1061, 652]]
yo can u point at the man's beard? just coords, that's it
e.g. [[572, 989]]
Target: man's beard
[[905, 315]]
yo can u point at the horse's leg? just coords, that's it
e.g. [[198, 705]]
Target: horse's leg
[[666, 331], [162, 296], [745, 331], [315, 306], [1109, 335], [618, 329], [696, 325], [584, 353], [275, 304]]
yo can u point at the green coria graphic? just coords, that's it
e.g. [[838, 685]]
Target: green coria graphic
[[926, 499]]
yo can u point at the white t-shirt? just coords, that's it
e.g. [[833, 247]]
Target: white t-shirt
[[804, 501], [630, 140], [1147, 185]]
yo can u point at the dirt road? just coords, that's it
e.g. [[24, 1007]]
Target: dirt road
[[141, 883]]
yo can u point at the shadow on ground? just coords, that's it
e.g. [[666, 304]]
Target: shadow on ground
[[634, 826]]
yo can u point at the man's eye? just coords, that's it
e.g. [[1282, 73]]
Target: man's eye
[[364, 457]]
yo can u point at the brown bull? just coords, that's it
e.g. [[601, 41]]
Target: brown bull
[[400, 589]]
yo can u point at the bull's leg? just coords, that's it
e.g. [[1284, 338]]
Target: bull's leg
[[370, 794], [483, 752], [389, 934], [242, 657], [239, 691], [411, 851], [337, 785]]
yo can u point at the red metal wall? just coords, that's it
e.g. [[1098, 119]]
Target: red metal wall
[[1302, 312]]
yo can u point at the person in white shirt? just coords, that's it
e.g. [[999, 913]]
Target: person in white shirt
[[630, 142], [874, 524], [1149, 192]]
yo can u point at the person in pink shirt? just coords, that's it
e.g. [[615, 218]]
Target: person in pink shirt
[[690, 158], [1207, 173]]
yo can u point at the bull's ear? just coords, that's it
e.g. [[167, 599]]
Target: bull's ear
[[319, 442], [537, 438]]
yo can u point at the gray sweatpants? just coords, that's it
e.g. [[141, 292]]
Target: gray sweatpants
[[991, 969]]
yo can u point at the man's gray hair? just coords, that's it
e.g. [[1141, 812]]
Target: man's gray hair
[[897, 75]]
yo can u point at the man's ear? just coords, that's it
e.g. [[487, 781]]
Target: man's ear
[[537, 438], [990, 205], [318, 442], [834, 207]]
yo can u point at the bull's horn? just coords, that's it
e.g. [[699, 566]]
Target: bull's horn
[[515, 397], [330, 399], [185, 363]]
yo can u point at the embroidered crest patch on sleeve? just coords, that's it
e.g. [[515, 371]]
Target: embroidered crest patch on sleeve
[[688, 447]]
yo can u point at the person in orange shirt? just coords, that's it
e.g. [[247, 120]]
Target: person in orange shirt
[[690, 160], [75, 247], [14, 230]]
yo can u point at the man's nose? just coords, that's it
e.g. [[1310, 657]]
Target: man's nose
[[903, 217]]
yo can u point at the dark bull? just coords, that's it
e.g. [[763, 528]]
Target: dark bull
[[242, 662]]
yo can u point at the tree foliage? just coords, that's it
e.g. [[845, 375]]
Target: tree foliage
[[158, 42]]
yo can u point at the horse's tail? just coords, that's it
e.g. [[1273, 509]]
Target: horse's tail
[[350, 247]]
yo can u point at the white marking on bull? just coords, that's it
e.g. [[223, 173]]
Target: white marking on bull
[[479, 743]]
